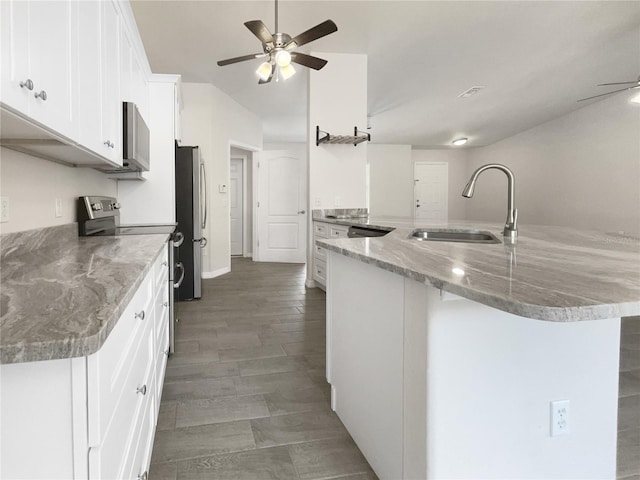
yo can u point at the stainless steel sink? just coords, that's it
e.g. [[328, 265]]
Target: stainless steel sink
[[458, 235]]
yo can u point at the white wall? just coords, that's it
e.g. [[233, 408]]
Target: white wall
[[337, 103], [458, 176], [215, 122], [581, 170], [390, 180], [248, 195], [153, 201], [33, 184]]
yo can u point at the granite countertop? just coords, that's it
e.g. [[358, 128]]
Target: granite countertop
[[552, 273], [61, 295]]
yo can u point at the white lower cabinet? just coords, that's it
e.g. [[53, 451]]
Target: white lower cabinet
[[91, 417], [319, 266]]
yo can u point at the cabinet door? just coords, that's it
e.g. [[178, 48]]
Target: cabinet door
[[53, 62], [90, 77], [111, 103], [14, 58]]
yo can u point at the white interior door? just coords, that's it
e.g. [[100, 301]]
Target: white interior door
[[431, 190], [236, 205], [282, 198]]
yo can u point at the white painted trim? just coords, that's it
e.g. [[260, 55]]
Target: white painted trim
[[131, 27], [216, 273], [254, 220], [243, 146], [245, 200], [248, 255], [164, 78], [310, 283]]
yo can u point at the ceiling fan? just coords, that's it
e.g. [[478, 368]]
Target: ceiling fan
[[634, 84], [279, 49]]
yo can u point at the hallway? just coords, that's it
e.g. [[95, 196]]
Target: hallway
[[245, 395]]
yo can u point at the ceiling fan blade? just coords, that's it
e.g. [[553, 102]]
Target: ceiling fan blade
[[260, 30], [603, 94], [229, 61], [314, 33], [618, 83], [308, 61]]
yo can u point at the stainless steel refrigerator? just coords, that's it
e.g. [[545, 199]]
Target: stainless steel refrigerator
[[191, 215]]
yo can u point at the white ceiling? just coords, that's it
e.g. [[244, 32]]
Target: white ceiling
[[534, 58]]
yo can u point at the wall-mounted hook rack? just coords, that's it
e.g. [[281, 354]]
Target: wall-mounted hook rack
[[355, 139]]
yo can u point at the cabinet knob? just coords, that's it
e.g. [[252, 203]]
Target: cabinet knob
[[165, 263], [165, 304], [143, 476], [28, 84], [140, 315], [42, 94], [110, 144], [166, 352], [142, 390], [302, 212]]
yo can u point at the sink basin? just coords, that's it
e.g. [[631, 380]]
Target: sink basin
[[443, 235]]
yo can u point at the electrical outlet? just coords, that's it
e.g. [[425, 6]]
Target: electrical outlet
[[317, 202], [338, 202], [4, 209], [58, 207], [560, 418]]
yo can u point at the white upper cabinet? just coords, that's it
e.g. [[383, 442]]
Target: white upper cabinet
[[98, 91], [38, 46], [111, 99], [66, 68]]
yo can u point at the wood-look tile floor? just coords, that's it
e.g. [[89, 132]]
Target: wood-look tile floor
[[245, 395], [629, 401]]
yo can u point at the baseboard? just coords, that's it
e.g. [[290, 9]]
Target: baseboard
[[216, 273], [248, 255]]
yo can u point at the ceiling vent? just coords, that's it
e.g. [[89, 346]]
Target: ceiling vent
[[471, 92]]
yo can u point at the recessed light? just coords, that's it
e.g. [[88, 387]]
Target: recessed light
[[460, 141]]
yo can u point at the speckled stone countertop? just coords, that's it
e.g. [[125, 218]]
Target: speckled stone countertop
[[61, 295], [552, 273]]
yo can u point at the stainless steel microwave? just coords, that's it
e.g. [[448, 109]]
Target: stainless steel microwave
[[135, 139]]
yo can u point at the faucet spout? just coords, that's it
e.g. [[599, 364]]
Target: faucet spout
[[510, 231]]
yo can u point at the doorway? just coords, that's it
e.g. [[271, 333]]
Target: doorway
[[236, 205], [431, 191]]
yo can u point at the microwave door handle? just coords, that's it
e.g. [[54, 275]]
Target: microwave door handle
[[204, 183]]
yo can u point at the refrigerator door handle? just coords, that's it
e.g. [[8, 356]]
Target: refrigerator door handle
[[179, 238], [181, 279], [203, 241], [204, 184]]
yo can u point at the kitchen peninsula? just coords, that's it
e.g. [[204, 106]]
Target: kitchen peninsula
[[448, 360]]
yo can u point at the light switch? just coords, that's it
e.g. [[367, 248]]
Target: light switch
[[4, 209]]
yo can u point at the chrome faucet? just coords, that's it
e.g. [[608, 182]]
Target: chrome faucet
[[510, 231]]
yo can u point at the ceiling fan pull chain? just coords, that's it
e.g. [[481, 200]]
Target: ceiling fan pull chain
[[276, 16]]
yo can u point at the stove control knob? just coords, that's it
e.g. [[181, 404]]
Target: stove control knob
[[96, 206], [115, 206]]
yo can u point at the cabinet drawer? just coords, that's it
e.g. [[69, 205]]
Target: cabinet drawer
[[161, 311], [338, 232], [109, 368], [140, 454], [161, 266], [319, 252], [116, 448], [320, 271], [162, 353], [320, 229]]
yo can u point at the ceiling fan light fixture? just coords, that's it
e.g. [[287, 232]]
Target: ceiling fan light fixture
[[264, 71], [460, 141], [287, 71], [283, 58]]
